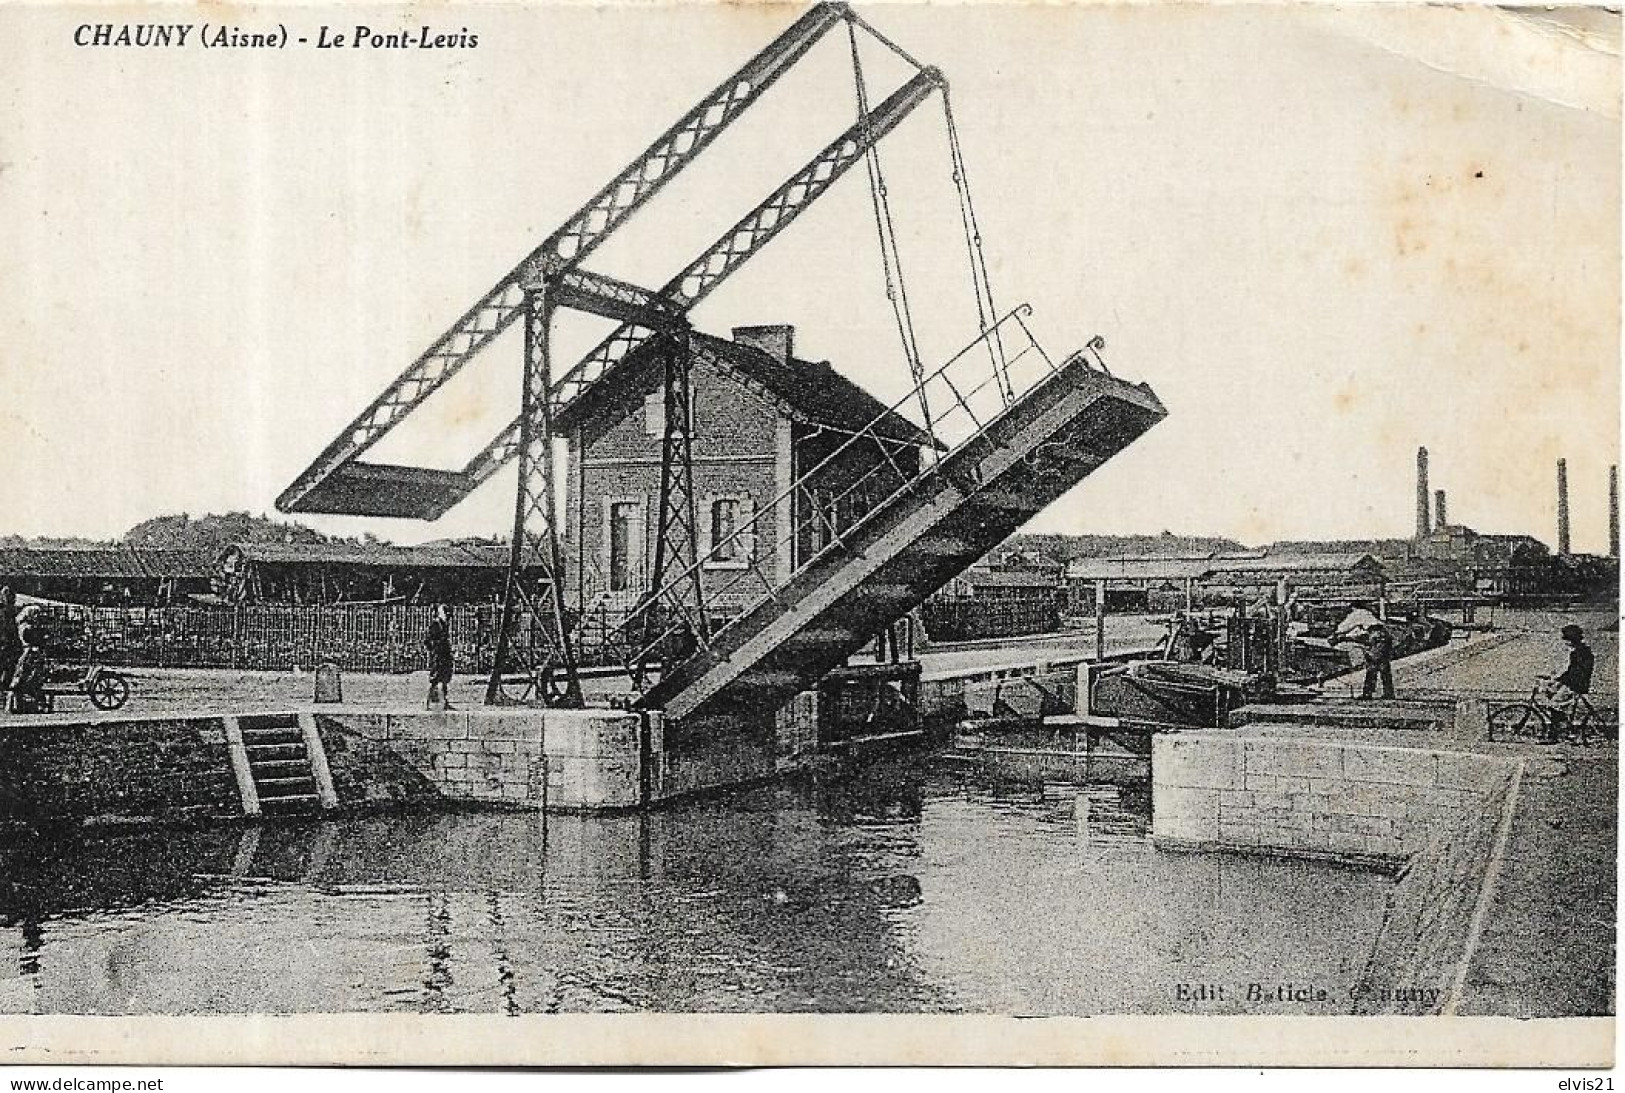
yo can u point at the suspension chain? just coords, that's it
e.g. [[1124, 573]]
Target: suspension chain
[[896, 290], [981, 285], [890, 257]]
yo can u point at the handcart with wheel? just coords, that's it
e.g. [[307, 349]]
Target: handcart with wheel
[[36, 688]]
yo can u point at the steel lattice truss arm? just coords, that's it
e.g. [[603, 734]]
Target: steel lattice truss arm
[[736, 246], [565, 248]]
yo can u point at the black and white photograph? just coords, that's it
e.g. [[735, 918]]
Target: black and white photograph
[[898, 533]]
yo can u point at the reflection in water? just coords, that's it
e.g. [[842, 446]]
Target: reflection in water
[[898, 890], [438, 984]]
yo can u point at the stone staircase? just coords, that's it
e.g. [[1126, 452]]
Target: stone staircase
[[280, 765]]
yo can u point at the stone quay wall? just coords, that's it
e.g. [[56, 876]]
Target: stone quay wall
[[113, 769], [116, 770], [1437, 816], [1285, 794], [1424, 942], [479, 756]]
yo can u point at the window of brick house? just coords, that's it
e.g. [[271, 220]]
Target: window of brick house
[[724, 522], [624, 544], [726, 533]]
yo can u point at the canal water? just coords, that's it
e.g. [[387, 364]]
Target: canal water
[[906, 888]]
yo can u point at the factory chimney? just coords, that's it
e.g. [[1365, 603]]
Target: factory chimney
[[1440, 519], [1562, 507], [1423, 525], [1613, 511]]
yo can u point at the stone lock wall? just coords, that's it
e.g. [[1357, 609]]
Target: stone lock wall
[[1331, 798], [1426, 926], [125, 769], [1436, 814], [116, 769], [594, 759], [487, 757]]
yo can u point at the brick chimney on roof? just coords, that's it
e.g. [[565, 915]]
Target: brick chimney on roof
[[777, 341]]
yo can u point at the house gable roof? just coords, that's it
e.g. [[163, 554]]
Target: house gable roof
[[807, 392], [1138, 569]]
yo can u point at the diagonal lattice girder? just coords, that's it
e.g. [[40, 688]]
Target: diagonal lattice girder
[[597, 294], [534, 548], [672, 607], [727, 254], [566, 247]]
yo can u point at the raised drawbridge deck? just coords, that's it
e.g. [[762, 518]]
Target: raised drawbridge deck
[[1012, 448]]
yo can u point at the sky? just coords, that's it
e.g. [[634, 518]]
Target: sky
[[1324, 236]]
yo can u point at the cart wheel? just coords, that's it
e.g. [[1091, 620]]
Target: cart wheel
[[517, 691], [1517, 722], [109, 691]]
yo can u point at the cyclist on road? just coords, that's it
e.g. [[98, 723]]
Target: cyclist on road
[[1560, 693]]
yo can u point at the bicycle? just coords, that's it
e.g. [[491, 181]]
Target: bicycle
[[1534, 718]]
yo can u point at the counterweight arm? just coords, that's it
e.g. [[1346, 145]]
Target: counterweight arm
[[567, 246], [731, 250]]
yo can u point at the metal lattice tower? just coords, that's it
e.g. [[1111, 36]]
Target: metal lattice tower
[[677, 528], [535, 543]]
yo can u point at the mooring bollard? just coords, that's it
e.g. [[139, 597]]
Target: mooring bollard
[[329, 684]]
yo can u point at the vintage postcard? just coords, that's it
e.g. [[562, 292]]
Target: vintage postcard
[[757, 533]]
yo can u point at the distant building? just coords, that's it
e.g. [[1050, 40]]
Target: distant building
[[1521, 568], [1449, 543], [1033, 561], [1302, 572], [1383, 550], [114, 576], [1135, 583], [763, 421], [324, 573], [996, 582], [1490, 551]]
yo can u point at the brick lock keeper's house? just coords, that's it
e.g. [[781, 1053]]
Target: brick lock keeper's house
[[761, 420]]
